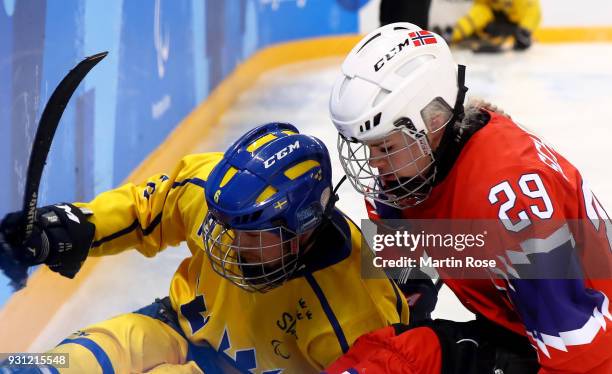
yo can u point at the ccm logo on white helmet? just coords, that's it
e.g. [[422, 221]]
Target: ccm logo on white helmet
[[389, 55], [281, 154]]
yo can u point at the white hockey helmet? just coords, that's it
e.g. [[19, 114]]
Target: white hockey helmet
[[388, 80]]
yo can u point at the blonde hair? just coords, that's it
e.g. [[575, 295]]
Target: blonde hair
[[478, 104], [474, 116]]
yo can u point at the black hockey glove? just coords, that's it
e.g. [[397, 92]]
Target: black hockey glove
[[61, 238], [421, 293], [522, 39]]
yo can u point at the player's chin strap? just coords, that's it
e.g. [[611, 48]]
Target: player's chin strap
[[452, 140], [326, 220], [458, 111], [331, 204]]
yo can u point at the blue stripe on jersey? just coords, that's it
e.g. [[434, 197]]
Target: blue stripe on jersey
[[551, 306], [116, 235], [147, 230], [328, 311], [98, 352], [386, 212], [196, 181], [547, 259], [559, 303], [398, 301], [352, 371], [212, 361], [161, 310]]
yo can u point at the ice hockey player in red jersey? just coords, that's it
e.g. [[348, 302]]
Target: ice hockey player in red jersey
[[407, 144]]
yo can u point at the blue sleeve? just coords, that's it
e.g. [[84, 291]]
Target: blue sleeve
[[548, 290]]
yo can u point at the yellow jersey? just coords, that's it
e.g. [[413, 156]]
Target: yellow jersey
[[301, 326]]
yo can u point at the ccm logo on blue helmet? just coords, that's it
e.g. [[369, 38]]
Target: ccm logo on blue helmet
[[281, 154], [395, 50]]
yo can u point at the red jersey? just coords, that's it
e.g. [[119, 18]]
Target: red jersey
[[504, 172]]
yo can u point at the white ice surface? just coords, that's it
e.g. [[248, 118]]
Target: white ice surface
[[562, 92]]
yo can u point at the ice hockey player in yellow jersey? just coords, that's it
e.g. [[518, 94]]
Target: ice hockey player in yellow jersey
[[494, 21], [273, 284]]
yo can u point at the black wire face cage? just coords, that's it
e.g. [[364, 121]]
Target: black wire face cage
[[254, 260], [401, 176]]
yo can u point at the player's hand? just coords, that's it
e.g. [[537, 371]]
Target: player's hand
[[15, 270], [421, 294], [422, 298], [61, 238]]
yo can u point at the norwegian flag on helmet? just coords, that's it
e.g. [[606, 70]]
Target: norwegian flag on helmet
[[422, 37]]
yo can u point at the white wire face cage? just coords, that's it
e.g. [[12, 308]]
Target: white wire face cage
[[254, 260], [400, 175]]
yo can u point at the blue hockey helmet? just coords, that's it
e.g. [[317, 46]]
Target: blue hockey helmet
[[272, 180]]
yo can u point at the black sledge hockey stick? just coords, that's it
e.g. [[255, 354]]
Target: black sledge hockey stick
[[15, 270]]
